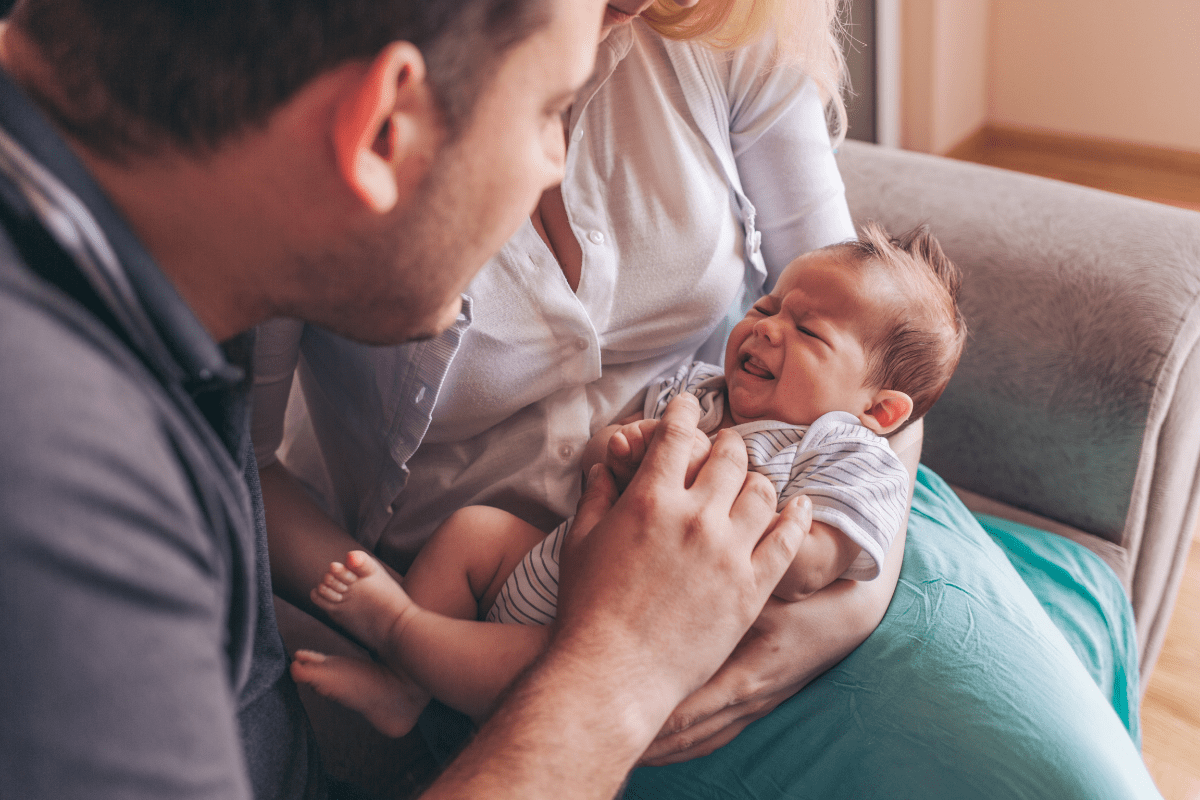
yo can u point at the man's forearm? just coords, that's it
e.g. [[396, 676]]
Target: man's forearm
[[563, 731]]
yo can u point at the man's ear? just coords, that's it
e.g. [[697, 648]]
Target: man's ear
[[889, 409], [376, 123]]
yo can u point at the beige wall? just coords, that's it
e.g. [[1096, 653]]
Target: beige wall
[[944, 72], [1122, 69], [1118, 69]]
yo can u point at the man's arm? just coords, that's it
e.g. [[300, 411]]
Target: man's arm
[[654, 597], [116, 681]]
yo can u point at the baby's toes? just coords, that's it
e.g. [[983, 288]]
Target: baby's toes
[[359, 565], [322, 592], [335, 582], [342, 575]]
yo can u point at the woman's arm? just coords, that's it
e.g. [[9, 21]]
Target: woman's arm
[[301, 539], [789, 645], [784, 159]]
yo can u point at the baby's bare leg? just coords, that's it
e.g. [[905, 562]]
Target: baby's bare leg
[[464, 663], [458, 573], [362, 597], [460, 570], [467, 664], [389, 701]]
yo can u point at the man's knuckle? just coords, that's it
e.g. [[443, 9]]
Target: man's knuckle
[[759, 484], [674, 429], [745, 690], [685, 740]]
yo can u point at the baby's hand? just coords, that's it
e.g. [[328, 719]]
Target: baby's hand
[[626, 449]]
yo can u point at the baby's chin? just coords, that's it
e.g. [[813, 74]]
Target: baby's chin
[[740, 412], [743, 410]]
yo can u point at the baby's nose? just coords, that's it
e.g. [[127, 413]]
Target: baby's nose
[[768, 327]]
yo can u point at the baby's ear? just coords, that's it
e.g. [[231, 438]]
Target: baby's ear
[[889, 409]]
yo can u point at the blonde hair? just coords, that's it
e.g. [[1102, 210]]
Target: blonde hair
[[808, 36]]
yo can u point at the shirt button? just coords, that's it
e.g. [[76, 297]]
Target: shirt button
[[596, 236], [581, 343], [420, 395], [565, 451], [577, 135]]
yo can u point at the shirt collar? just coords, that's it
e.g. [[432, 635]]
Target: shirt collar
[[78, 214], [610, 53]]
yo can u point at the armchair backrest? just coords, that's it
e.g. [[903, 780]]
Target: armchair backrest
[[1076, 406]]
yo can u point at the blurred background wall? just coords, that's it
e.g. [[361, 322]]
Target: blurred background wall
[[1097, 69]]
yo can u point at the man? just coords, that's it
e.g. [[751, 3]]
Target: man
[[173, 173]]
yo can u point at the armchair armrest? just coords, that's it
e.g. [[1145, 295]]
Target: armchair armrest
[[1076, 406]]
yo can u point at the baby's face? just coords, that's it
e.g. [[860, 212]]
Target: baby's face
[[799, 353]]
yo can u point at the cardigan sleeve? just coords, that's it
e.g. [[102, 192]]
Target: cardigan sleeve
[[781, 146]]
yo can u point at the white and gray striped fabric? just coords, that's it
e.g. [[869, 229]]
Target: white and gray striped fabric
[[530, 595], [855, 481]]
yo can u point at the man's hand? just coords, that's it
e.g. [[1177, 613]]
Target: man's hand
[[657, 587], [790, 645], [658, 590]]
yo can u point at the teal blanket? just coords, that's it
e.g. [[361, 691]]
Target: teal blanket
[[1004, 668]]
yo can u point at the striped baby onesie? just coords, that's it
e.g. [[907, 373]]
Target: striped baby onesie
[[855, 481]]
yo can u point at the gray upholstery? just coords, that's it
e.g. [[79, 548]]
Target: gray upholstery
[[1077, 404]]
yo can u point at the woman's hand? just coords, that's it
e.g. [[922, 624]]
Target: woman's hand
[[789, 645]]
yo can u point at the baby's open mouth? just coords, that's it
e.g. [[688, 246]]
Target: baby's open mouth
[[756, 368]]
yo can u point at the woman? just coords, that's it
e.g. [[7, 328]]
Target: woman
[[698, 165]]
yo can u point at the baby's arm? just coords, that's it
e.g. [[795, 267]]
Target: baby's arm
[[824, 555]]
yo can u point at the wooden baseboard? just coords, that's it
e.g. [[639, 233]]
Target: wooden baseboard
[[1154, 173]]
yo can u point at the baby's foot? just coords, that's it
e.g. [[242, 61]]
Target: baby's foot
[[389, 701], [364, 599]]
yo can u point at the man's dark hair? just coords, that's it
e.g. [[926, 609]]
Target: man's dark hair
[[134, 75]]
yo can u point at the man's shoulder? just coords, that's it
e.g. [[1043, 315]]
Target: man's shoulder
[[57, 358], [83, 421]]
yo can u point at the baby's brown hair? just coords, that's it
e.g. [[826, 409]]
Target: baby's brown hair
[[918, 347]]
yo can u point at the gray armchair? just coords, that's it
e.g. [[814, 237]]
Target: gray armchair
[[1076, 407]]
